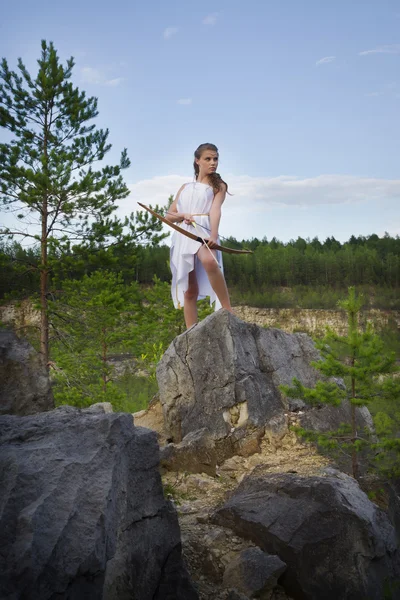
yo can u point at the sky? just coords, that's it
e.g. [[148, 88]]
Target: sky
[[302, 100]]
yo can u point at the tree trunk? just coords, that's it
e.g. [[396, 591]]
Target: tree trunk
[[44, 317], [104, 360], [354, 455], [44, 274]]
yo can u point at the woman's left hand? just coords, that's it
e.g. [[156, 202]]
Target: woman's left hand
[[212, 240]]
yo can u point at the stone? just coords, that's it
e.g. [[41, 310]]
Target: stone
[[25, 387], [394, 505], [295, 404], [335, 542], [253, 572], [195, 454], [223, 376], [276, 428], [330, 418], [83, 514]]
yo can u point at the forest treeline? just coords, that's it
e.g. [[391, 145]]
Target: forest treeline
[[307, 273]]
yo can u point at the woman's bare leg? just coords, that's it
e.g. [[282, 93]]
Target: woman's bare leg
[[190, 303], [215, 276]]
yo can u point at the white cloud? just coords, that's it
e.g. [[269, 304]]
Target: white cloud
[[266, 192], [114, 82], [326, 59], [98, 77], [386, 49], [389, 89], [169, 32], [258, 204], [210, 19], [185, 101]]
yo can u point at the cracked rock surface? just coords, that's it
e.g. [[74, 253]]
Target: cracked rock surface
[[335, 542], [219, 382], [224, 373], [82, 510]]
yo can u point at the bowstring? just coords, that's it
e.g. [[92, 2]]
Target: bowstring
[[204, 242]]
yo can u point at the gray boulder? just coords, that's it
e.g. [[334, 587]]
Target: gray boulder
[[335, 542], [219, 382], [253, 572], [82, 511], [195, 454], [329, 418], [223, 375], [24, 383]]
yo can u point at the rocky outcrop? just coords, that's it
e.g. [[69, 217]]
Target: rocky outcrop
[[24, 382], [313, 321], [335, 542], [82, 511], [219, 384], [223, 376]]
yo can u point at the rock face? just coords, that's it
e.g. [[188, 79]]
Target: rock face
[[24, 382], [83, 514], [313, 321], [223, 375], [221, 378], [335, 542], [253, 572]]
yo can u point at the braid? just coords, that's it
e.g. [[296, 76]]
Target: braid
[[215, 179]]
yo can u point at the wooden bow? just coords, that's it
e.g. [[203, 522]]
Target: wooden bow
[[193, 236]]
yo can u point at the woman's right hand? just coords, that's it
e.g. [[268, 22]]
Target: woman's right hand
[[188, 218]]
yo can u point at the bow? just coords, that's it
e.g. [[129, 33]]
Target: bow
[[193, 236]]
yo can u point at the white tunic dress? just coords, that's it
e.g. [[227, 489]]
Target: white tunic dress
[[195, 198]]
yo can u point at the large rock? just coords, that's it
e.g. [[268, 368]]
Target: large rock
[[335, 542], [82, 511], [224, 374], [222, 378], [24, 382]]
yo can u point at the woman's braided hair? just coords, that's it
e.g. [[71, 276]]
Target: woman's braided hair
[[215, 178]]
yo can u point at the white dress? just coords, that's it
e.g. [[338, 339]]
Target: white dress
[[196, 199]]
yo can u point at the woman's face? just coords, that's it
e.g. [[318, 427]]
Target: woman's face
[[208, 162]]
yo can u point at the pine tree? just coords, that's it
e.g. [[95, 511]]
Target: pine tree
[[47, 172], [360, 361], [93, 318]]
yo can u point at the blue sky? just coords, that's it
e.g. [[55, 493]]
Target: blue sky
[[301, 98]]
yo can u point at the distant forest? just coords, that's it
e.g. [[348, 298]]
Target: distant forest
[[304, 273]]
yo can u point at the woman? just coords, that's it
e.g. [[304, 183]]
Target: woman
[[197, 270]]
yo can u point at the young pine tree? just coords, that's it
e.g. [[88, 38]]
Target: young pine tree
[[93, 319], [47, 174], [360, 360]]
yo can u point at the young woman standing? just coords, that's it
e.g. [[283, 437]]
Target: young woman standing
[[197, 269]]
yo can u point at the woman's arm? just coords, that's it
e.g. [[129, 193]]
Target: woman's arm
[[215, 215], [173, 215]]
